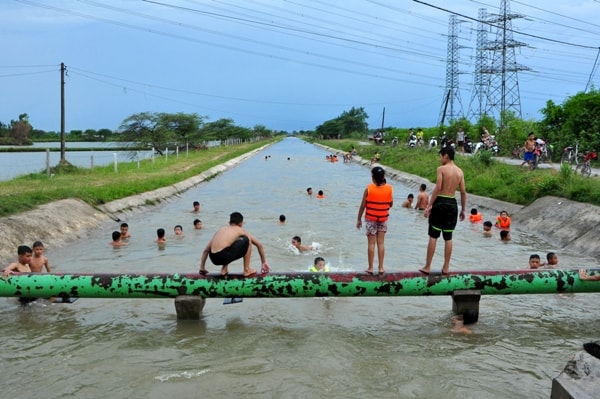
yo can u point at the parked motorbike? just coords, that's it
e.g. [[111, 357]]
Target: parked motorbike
[[468, 145], [432, 143], [394, 141], [412, 142]]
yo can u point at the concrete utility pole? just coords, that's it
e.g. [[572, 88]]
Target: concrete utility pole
[[62, 112]]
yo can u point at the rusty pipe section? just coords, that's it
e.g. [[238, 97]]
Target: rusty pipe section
[[277, 285]]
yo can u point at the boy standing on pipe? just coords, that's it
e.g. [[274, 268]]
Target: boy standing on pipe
[[442, 210]]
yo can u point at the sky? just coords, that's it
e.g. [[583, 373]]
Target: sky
[[289, 65]]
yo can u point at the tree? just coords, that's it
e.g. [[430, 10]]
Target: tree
[[576, 120], [182, 127], [20, 130], [159, 130], [349, 122]]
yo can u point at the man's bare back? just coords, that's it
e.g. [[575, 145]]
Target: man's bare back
[[226, 236], [422, 200], [450, 178]]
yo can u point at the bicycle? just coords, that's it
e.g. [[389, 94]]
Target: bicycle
[[585, 168], [571, 156]]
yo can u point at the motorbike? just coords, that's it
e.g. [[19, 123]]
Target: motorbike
[[468, 145], [412, 142], [444, 140], [394, 141], [432, 143]]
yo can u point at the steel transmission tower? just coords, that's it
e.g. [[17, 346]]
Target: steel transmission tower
[[503, 94], [481, 80], [452, 104]]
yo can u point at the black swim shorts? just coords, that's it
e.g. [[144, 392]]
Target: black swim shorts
[[235, 251], [443, 217]]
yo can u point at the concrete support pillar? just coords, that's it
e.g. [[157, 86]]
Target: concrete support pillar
[[188, 307], [463, 300], [579, 380]]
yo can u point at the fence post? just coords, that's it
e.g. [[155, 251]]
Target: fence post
[[115, 162], [48, 161], [92, 160]]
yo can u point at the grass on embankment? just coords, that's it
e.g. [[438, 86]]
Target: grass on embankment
[[101, 184], [484, 175]]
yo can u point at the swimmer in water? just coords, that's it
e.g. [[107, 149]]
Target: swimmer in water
[[297, 243]]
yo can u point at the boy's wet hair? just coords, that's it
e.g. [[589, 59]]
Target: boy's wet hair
[[116, 235], [550, 255], [473, 211], [534, 256], [448, 150], [37, 244], [318, 259], [236, 218], [23, 250], [487, 223], [503, 235]]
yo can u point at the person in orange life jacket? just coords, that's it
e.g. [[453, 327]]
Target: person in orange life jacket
[[475, 217], [375, 205], [503, 221], [320, 194]]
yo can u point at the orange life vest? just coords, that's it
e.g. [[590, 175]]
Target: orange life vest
[[475, 218], [379, 199], [503, 224]]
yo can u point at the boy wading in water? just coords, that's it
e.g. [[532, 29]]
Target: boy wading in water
[[442, 210]]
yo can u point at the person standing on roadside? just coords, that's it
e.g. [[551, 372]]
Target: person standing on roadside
[[460, 140], [376, 203], [442, 210], [529, 148]]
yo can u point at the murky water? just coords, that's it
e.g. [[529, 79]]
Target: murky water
[[291, 348]]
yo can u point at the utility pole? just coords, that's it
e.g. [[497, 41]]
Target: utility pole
[[62, 113]]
